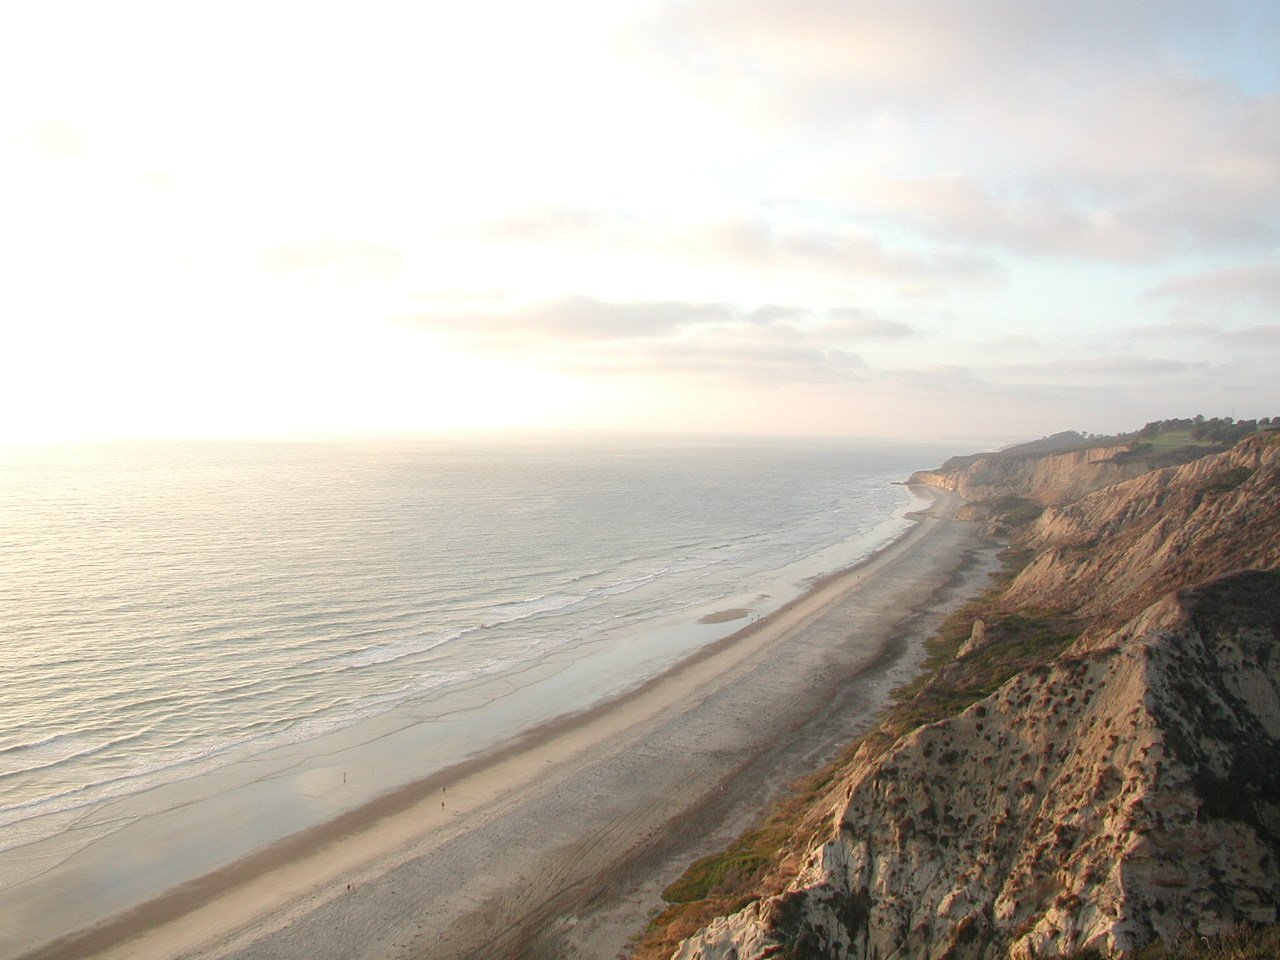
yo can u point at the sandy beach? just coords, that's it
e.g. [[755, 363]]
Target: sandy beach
[[557, 845]]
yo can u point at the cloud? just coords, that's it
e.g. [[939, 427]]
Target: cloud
[[1257, 283], [853, 323], [1077, 129], [773, 313], [1258, 335], [1261, 335], [941, 56], [1104, 369], [1175, 329], [575, 320], [842, 249], [1210, 306], [1115, 392], [342, 259], [57, 138], [567, 225], [728, 356], [587, 318], [919, 47], [1063, 374], [1010, 343], [768, 344], [1206, 174], [961, 208]]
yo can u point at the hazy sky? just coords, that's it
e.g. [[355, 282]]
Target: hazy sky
[[919, 217]]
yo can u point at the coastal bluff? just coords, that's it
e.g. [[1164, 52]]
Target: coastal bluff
[[1121, 789]]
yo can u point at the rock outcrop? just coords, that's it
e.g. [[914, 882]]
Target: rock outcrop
[[1125, 791]]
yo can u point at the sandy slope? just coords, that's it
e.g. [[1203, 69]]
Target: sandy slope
[[558, 845]]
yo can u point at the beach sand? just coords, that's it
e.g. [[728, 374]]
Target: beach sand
[[558, 845]]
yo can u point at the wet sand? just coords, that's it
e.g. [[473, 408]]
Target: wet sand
[[724, 616], [558, 844]]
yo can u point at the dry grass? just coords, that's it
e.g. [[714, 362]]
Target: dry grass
[[1243, 943]]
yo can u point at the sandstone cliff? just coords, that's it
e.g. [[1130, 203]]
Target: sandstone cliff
[[1047, 480], [1122, 547], [1044, 480], [1126, 790]]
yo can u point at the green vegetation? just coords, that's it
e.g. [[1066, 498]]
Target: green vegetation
[[1225, 481], [1013, 512], [1220, 433], [1168, 443], [1014, 643], [1171, 440], [1155, 438], [1198, 429], [742, 862], [725, 882]]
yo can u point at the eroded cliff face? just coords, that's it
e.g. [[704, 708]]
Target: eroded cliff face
[[1044, 480], [1124, 546], [1123, 793], [1126, 791]]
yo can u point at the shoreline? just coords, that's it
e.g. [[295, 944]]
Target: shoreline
[[276, 901]]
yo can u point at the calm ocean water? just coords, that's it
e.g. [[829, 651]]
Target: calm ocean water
[[169, 609]]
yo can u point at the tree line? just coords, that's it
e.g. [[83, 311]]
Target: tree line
[[1214, 429]]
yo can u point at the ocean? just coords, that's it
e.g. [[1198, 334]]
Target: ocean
[[190, 618]]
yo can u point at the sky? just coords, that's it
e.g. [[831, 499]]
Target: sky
[[919, 219]]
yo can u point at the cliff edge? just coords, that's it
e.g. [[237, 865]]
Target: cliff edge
[[1122, 790]]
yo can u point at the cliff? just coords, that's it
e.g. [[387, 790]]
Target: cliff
[[1042, 480], [1123, 547], [1120, 791], [1052, 478]]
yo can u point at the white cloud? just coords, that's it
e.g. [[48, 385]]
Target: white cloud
[[1011, 343], [841, 250], [1260, 335], [728, 355], [856, 324], [1255, 283], [1078, 130], [1176, 329], [579, 319], [961, 209], [1101, 369], [931, 198], [343, 260], [565, 225], [769, 344], [56, 138]]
